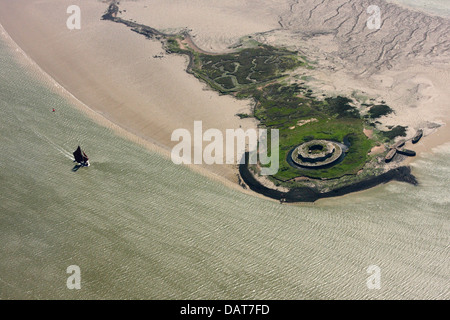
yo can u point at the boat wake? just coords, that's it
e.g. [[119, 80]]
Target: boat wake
[[66, 153]]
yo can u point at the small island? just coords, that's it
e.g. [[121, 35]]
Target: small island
[[329, 145]]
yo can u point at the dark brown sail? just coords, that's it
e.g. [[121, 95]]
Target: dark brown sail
[[78, 155]]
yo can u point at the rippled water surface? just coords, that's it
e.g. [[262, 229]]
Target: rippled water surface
[[140, 227]]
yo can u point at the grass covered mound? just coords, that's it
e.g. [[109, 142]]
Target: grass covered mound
[[301, 118], [336, 130]]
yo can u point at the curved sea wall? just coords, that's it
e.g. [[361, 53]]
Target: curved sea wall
[[306, 194]]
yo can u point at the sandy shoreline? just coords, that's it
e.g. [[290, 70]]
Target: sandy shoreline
[[108, 71], [148, 98], [46, 79]]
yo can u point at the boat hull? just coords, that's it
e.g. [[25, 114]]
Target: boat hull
[[407, 152], [417, 137]]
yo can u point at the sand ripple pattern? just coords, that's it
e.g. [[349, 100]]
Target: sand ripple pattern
[[403, 33]]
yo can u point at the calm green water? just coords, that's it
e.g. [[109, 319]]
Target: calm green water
[[140, 227]]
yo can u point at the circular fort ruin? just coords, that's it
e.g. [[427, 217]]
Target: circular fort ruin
[[316, 154]]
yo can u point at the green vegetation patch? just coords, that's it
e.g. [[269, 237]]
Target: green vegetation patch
[[249, 66], [284, 107], [243, 115], [379, 111], [397, 131], [173, 47], [226, 82], [341, 108], [336, 130]]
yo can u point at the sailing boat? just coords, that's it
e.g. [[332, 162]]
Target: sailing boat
[[81, 157]]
